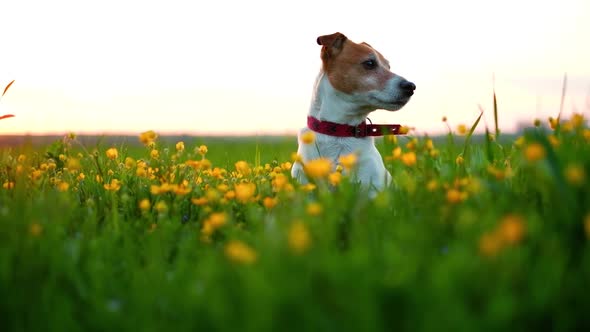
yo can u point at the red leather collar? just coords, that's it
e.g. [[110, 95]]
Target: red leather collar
[[344, 130]]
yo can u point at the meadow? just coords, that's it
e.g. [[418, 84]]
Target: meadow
[[214, 235]]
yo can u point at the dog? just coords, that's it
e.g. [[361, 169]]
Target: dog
[[355, 80]]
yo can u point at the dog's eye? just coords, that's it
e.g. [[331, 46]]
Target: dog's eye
[[370, 64]]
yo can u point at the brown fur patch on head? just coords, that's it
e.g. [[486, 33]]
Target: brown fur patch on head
[[343, 63], [331, 44]]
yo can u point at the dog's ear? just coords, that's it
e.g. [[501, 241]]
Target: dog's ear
[[331, 44]]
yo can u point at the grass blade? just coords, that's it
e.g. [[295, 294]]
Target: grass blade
[[7, 87], [561, 102], [496, 115], [470, 133], [489, 152], [497, 128]]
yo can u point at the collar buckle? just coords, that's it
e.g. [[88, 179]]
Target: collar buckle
[[360, 130]]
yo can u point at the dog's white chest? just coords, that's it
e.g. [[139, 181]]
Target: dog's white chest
[[369, 169]]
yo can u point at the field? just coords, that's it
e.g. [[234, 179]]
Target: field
[[214, 235]]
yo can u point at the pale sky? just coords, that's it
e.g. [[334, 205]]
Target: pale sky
[[248, 67]]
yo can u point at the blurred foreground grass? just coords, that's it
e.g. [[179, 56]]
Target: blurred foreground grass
[[216, 236]]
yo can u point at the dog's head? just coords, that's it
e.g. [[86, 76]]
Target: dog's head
[[363, 74]]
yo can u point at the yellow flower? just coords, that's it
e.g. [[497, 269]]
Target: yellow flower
[[21, 158], [299, 239], [412, 144], [454, 196], [196, 164], [296, 158], [409, 159], [308, 137], [577, 120], [309, 187], [223, 187], [243, 168], [497, 173], [205, 164], [141, 172], [203, 150], [432, 185], [244, 191], [391, 139], [144, 205], [63, 186], [181, 190], [519, 142], [212, 195], [164, 188], [218, 173], [155, 154], [348, 161], [314, 209], [459, 160], [434, 153], [534, 152], [130, 163], [511, 229], [335, 178], [270, 202], [428, 144], [147, 137], [115, 185], [200, 201], [230, 195], [161, 207], [216, 220], [575, 174], [318, 168], [286, 166], [404, 130], [586, 134], [461, 129], [280, 182], [180, 146], [73, 165], [397, 153], [35, 229], [62, 157], [239, 252], [36, 175], [112, 153], [8, 185], [81, 177]]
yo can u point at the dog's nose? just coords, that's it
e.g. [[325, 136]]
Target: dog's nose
[[407, 86]]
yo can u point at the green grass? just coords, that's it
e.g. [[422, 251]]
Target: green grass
[[498, 241]]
